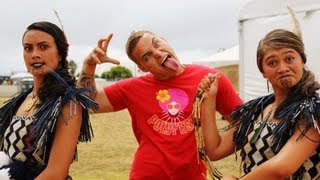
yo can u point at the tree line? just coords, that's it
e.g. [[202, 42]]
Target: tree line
[[115, 73]]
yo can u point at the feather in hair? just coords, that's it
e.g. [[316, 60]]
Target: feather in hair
[[296, 24], [56, 13]]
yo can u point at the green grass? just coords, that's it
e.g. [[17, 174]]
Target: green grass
[[110, 153]]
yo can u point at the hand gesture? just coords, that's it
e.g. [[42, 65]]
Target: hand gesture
[[99, 54], [209, 84]]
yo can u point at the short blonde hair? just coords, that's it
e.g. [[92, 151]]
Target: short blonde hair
[[133, 40]]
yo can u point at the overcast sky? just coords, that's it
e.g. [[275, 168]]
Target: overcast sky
[[195, 28]]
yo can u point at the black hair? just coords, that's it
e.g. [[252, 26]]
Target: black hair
[[50, 87]]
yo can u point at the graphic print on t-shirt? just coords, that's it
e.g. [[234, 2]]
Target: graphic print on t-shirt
[[173, 120]]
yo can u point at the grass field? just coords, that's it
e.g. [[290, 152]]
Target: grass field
[[109, 155]]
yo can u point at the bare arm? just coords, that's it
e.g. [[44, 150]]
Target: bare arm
[[290, 157], [86, 78], [217, 145], [64, 145]]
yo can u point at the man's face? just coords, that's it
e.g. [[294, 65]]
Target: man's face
[[154, 54]]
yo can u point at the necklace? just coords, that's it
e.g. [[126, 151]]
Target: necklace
[[30, 102], [264, 121]]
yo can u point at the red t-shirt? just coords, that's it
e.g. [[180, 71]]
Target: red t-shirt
[[161, 113]]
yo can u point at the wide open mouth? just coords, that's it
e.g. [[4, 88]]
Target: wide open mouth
[[164, 60], [170, 62]]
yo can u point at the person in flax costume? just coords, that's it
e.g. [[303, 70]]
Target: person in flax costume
[[277, 134], [41, 126]]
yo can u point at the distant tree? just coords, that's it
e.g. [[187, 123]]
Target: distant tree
[[117, 72], [106, 75], [95, 75], [72, 67]]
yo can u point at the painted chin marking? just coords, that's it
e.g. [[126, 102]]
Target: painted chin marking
[[286, 82], [37, 70]]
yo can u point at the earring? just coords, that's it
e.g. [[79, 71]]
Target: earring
[[268, 86], [59, 64]]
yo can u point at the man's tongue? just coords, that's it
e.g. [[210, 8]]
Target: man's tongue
[[171, 64]]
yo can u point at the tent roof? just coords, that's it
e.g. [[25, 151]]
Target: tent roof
[[21, 75], [224, 58], [262, 8], [231, 54]]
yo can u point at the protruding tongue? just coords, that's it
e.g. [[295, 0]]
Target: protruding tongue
[[171, 64]]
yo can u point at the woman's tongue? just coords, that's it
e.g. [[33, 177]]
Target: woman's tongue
[[170, 63]]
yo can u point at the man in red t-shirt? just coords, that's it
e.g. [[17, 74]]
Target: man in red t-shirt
[[160, 104]]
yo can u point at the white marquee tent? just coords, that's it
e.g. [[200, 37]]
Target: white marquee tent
[[20, 75], [258, 17], [224, 58]]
